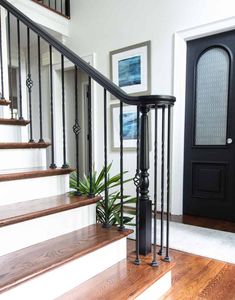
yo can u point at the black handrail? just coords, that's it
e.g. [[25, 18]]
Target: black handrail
[[92, 72]]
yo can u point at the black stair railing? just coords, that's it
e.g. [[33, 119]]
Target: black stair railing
[[144, 105], [61, 7]]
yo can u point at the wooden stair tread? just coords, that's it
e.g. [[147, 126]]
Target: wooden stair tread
[[5, 102], [124, 280], [27, 210], [29, 262], [14, 122], [23, 145], [18, 174]]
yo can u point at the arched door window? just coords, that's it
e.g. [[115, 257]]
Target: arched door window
[[211, 102]]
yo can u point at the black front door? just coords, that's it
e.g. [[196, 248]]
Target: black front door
[[209, 161]]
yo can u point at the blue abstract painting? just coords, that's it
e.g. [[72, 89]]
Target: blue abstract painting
[[129, 71], [130, 126]]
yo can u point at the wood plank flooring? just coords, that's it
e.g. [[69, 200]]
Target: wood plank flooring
[[193, 278], [124, 280], [27, 210], [21, 265]]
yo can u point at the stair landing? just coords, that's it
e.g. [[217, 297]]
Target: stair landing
[[124, 280]]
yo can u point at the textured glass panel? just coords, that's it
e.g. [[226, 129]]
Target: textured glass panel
[[212, 97]]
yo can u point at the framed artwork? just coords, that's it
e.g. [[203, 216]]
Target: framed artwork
[[129, 126], [130, 68]]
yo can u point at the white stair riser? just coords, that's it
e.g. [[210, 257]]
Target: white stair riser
[[56, 282], [22, 158], [13, 134], [158, 289], [24, 234], [34, 188]]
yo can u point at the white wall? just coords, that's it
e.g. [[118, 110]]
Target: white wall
[[102, 26]]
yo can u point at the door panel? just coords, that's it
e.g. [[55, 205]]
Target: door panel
[[209, 164]]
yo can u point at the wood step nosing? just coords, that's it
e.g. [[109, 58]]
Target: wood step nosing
[[24, 145], [34, 174], [46, 212], [67, 257]]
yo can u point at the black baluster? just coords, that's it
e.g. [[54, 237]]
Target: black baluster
[[106, 224], [154, 262], [49, 3], [121, 227], [1, 62], [53, 165], [10, 63], [67, 8], [29, 84], [167, 257], [77, 129], [162, 182], [40, 90], [137, 184], [61, 6], [65, 165], [145, 202], [90, 146], [55, 4], [19, 71]]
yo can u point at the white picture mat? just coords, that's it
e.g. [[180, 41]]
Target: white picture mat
[[115, 115], [143, 53]]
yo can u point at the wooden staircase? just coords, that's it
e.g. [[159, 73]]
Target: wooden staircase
[[51, 245], [47, 235]]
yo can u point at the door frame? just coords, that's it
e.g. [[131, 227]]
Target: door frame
[[179, 89]]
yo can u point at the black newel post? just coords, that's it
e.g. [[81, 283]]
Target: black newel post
[[145, 204]]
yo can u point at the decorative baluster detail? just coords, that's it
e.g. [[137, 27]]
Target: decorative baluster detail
[[106, 224], [10, 64], [19, 71], [40, 90], [65, 165], [29, 84], [53, 165], [154, 262], [137, 184], [77, 129], [145, 202], [90, 144], [162, 182], [167, 257]]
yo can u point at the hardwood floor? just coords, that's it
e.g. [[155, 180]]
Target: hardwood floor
[[199, 278], [193, 278], [205, 222]]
